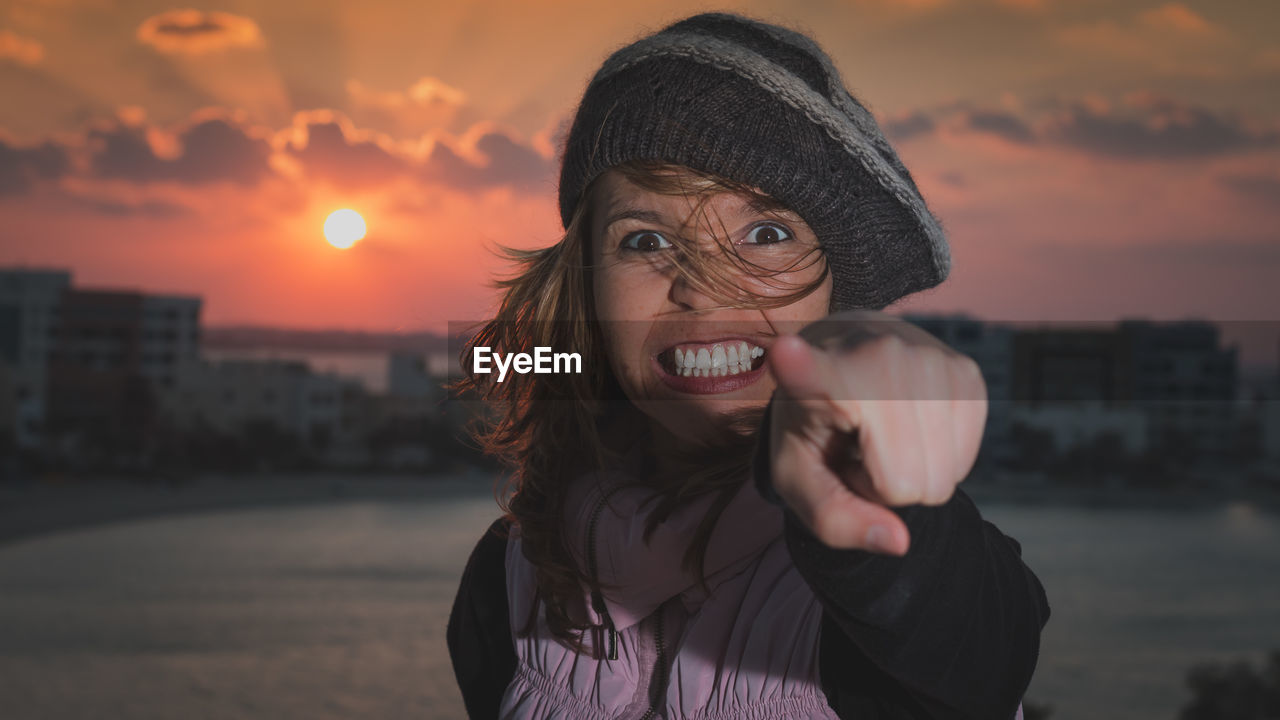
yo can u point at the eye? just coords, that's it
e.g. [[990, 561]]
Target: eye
[[645, 241], [767, 235]]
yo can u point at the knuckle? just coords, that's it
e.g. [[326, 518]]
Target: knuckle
[[944, 493], [892, 346], [939, 490], [898, 491], [967, 374]]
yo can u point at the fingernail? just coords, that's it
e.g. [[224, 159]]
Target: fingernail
[[878, 539]]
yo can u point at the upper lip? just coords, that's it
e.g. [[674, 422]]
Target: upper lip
[[749, 339]]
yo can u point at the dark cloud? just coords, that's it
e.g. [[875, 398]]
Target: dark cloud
[[1260, 188], [909, 126], [339, 155], [21, 167], [510, 163], [150, 208], [1159, 129], [1142, 126], [212, 150], [1240, 252], [330, 154], [1000, 124]]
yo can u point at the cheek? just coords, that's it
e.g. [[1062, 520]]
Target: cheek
[[626, 306], [627, 293], [811, 308], [784, 274]]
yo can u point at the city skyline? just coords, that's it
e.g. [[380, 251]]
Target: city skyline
[[1090, 161]]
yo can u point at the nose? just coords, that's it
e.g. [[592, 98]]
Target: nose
[[687, 296]]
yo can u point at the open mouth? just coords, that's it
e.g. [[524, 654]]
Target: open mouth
[[723, 358]]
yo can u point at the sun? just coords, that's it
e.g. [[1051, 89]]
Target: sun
[[344, 228]]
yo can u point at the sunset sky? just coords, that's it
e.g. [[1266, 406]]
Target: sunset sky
[[1090, 159]]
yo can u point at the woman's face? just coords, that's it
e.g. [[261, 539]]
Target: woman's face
[[681, 357]]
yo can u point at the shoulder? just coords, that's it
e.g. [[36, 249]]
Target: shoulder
[[485, 572], [491, 549], [479, 634]]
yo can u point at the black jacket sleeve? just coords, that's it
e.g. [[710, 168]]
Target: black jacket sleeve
[[949, 630], [479, 634]]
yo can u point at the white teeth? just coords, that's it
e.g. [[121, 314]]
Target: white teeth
[[719, 360]]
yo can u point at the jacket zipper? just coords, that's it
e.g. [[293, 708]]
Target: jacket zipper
[[597, 599], [658, 685]]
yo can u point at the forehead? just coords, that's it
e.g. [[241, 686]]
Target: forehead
[[617, 196]]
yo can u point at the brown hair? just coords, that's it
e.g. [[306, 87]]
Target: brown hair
[[550, 428]]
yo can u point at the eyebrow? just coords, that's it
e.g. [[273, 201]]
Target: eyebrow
[[757, 205], [633, 214], [766, 206]]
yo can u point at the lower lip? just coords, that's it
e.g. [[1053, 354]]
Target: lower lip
[[703, 385]]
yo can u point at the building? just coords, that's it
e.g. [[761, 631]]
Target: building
[[1071, 366], [101, 409], [281, 394], [410, 377], [1161, 385], [90, 367], [29, 302], [1271, 430], [1082, 424], [8, 411], [1185, 383], [170, 338]]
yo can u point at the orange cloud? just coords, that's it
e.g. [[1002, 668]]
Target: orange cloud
[[428, 105], [1024, 4], [1179, 18], [328, 146], [1170, 38], [1268, 60], [923, 6], [21, 50], [193, 31], [426, 91]]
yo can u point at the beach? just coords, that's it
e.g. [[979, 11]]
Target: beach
[[327, 597]]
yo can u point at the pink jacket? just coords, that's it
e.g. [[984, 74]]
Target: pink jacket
[[746, 650]]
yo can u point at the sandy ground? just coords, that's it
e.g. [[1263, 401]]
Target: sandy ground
[[31, 509]]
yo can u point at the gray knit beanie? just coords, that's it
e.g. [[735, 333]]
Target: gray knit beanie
[[764, 105]]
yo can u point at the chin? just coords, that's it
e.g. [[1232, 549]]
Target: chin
[[706, 419]]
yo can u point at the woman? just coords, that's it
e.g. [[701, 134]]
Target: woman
[[722, 518]]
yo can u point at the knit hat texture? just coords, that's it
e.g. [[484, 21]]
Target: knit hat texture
[[764, 105]]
